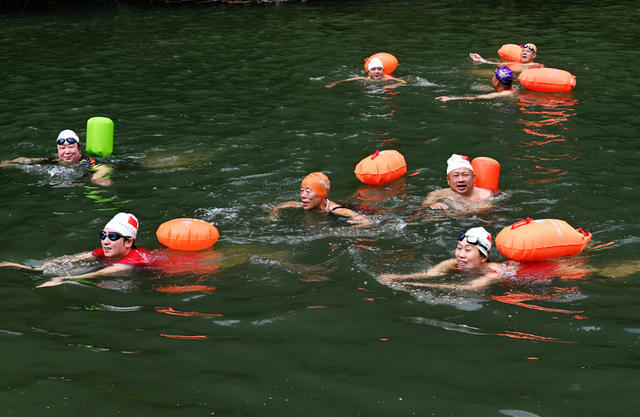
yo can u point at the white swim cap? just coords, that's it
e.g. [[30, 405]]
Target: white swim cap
[[375, 63], [480, 237], [458, 161], [124, 223], [68, 133]]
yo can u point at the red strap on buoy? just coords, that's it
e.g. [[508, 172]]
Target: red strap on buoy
[[375, 155], [603, 245], [521, 223]]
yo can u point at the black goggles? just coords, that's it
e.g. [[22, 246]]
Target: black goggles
[[529, 47], [473, 240], [68, 140], [113, 236]]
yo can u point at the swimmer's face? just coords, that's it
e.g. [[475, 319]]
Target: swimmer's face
[[115, 248], [527, 55], [69, 153], [310, 200], [461, 181], [469, 256], [376, 73]]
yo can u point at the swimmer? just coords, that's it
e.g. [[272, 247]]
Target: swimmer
[[118, 251], [313, 195], [69, 154], [471, 257], [462, 194], [527, 57], [501, 81], [375, 72]]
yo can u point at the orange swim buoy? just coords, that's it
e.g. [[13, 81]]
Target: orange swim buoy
[[550, 80], [187, 234], [510, 52], [389, 61], [381, 167], [487, 171], [534, 240]]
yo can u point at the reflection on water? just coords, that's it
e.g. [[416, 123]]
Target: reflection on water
[[547, 119]]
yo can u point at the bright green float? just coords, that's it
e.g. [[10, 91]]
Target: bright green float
[[100, 136]]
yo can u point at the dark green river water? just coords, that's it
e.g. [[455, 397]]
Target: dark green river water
[[219, 113]]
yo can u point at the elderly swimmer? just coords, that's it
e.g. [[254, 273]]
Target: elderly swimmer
[[527, 57], [501, 81], [462, 194], [69, 154], [118, 251], [471, 256], [375, 72], [314, 191]]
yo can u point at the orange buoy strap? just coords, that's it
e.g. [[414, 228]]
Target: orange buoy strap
[[603, 245], [521, 223], [375, 155]]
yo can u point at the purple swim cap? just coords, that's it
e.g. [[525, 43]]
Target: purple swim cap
[[504, 75]]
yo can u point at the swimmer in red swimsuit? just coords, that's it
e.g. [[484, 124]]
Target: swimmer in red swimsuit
[[118, 251], [472, 254]]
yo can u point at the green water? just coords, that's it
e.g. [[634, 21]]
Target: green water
[[219, 113]]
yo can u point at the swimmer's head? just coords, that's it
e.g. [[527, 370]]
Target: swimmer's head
[[375, 63], [504, 76], [68, 146], [460, 176], [124, 223], [528, 52], [458, 161], [319, 183], [479, 237]]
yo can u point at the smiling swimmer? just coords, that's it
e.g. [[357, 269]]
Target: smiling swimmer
[[314, 191]]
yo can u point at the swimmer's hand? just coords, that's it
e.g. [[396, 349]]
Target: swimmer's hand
[[444, 99], [477, 58], [52, 283], [58, 281]]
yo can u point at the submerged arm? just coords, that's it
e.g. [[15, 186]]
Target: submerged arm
[[357, 219], [110, 270], [101, 176], [274, 212], [333, 84], [434, 271]]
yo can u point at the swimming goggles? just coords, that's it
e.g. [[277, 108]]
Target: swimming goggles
[[529, 47], [113, 236], [473, 240], [69, 140]]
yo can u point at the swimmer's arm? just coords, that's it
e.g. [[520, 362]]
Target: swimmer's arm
[[477, 58], [489, 96], [19, 161], [432, 272], [358, 220], [394, 82], [476, 284], [110, 270], [274, 212], [82, 256], [333, 84], [101, 176]]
